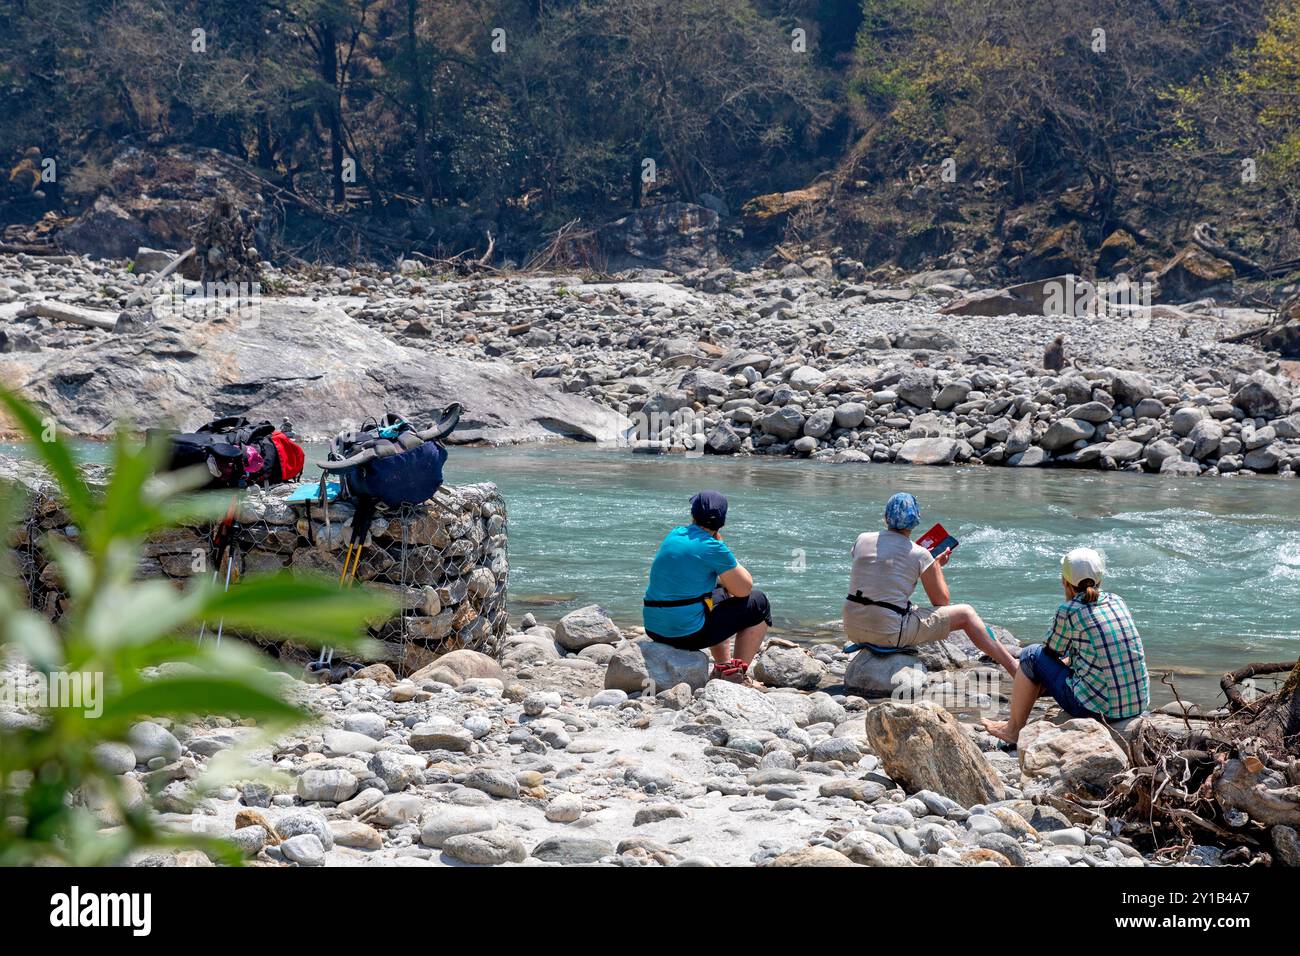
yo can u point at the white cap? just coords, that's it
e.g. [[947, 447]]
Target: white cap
[[1082, 564]]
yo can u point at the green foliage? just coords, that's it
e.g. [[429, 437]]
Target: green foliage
[[54, 797]]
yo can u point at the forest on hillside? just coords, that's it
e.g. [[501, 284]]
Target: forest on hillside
[[901, 128]]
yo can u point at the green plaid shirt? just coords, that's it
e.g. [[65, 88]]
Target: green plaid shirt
[[1108, 669]]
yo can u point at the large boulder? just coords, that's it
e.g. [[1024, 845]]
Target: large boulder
[[677, 237], [928, 451], [784, 423], [157, 197], [923, 747], [916, 387], [879, 675], [1192, 274], [458, 666], [1263, 396], [737, 706], [768, 213], [1064, 432], [1061, 250], [586, 626], [651, 667], [326, 366], [1076, 756]]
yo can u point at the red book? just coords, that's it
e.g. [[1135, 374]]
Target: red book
[[937, 540]]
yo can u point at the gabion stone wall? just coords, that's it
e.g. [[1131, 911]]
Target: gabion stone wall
[[445, 561]]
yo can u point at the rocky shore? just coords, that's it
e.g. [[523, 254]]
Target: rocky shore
[[544, 758], [810, 360]]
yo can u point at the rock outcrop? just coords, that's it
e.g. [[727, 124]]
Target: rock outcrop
[[315, 365]]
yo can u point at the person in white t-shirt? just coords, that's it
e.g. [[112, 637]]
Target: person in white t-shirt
[[886, 568]]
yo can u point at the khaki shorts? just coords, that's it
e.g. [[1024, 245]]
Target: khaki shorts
[[922, 625]]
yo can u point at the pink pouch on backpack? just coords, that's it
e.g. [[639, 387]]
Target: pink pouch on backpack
[[253, 462]]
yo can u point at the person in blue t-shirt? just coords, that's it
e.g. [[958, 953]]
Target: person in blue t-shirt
[[700, 597]]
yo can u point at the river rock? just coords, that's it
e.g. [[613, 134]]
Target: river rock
[[811, 856], [148, 740], [879, 675], [1064, 432], [331, 786], [780, 666], [572, 849], [305, 849], [923, 747], [440, 734], [871, 849], [458, 666], [294, 822], [366, 723], [489, 848], [743, 707], [586, 626], [340, 743], [928, 451], [850, 414], [785, 423], [440, 823], [1263, 396], [1078, 755], [652, 666], [114, 758]]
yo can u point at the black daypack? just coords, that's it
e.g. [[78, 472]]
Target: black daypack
[[236, 452]]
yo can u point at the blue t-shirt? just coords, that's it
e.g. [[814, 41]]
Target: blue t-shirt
[[687, 565]]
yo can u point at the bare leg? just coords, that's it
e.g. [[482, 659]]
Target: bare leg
[[721, 652], [749, 641], [967, 619], [1023, 694]]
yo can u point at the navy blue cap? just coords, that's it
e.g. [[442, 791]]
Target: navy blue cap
[[709, 509]]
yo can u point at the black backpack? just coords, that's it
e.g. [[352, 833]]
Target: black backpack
[[236, 452]]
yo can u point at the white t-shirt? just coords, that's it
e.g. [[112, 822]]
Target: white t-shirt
[[886, 567]]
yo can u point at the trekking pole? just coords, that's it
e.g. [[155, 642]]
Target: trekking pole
[[222, 537], [361, 518], [230, 566]]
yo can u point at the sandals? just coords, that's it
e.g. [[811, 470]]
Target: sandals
[[734, 671]]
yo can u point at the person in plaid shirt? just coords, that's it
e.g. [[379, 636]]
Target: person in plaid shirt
[[1092, 660]]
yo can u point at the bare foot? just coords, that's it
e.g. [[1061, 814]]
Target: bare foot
[[1000, 730]]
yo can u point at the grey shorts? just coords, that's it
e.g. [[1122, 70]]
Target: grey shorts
[[921, 625]]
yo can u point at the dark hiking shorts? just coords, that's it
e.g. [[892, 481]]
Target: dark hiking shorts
[[1043, 667], [730, 616]]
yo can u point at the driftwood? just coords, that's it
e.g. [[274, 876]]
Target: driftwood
[[1232, 782], [1204, 235], [63, 312], [29, 249], [572, 246], [138, 297]]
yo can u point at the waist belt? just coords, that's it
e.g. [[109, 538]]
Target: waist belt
[[705, 599], [857, 598]]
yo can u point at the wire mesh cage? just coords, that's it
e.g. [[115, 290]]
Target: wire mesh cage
[[445, 561]]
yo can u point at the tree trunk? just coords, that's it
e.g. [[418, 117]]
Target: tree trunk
[[421, 114], [329, 72]]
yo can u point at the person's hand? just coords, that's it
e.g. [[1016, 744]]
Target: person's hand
[[943, 557]]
